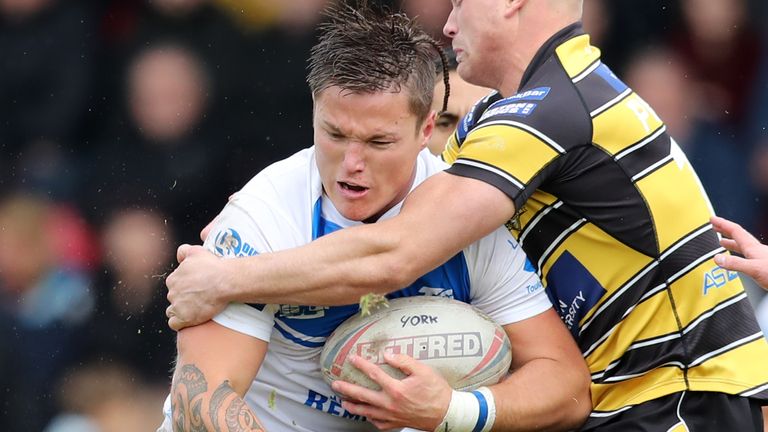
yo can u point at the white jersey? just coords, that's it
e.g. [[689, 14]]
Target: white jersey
[[284, 207]]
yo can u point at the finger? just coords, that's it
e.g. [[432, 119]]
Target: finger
[[735, 263], [176, 324], [734, 231], [373, 371], [186, 250], [356, 393], [371, 412], [404, 362], [731, 245], [182, 252]]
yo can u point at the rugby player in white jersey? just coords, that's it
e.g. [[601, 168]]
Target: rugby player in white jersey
[[255, 367]]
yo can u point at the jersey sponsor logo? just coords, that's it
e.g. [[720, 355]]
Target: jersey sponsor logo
[[228, 243], [573, 290], [302, 312], [330, 405], [522, 109], [717, 278], [426, 347], [537, 94]]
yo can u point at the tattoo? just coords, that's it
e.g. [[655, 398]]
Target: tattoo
[[217, 400], [240, 418], [188, 388], [192, 413]]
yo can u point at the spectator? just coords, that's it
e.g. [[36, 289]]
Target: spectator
[[106, 398], [164, 157], [44, 304], [128, 326], [43, 88]]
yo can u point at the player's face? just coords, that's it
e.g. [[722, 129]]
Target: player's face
[[366, 149], [474, 27], [463, 97]]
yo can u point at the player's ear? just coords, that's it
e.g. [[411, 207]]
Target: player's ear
[[511, 7], [427, 128]]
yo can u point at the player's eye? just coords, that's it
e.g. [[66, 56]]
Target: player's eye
[[447, 120]]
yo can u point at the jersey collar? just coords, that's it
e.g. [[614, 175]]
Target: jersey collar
[[548, 48]]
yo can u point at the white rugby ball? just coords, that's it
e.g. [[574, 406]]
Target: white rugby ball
[[462, 343]]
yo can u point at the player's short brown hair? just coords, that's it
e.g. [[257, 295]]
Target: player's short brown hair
[[371, 50]]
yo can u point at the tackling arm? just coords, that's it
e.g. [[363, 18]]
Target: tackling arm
[[214, 370], [439, 218]]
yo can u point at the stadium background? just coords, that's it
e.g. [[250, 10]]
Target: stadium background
[[125, 124]]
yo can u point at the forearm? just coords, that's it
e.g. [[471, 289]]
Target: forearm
[[544, 394], [333, 270], [198, 406], [382, 257]]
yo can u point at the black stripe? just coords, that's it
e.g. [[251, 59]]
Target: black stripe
[[490, 177], [616, 102], [650, 172], [722, 328], [640, 159], [692, 250], [596, 91], [540, 236], [703, 244], [614, 312], [730, 324], [618, 209]]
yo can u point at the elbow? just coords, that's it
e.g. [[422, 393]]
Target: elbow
[[579, 406], [398, 271]]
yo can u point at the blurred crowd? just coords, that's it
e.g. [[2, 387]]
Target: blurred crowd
[[125, 124]]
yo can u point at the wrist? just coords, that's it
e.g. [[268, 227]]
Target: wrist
[[228, 291], [473, 411]]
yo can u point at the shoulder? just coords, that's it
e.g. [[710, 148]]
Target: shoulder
[[549, 107], [294, 179]]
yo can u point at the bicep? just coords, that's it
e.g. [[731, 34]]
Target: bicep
[[543, 336], [448, 212], [213, 353]]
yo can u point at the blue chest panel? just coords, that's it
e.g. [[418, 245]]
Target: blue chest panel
[[309, 325]]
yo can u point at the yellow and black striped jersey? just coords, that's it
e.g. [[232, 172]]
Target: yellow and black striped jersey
[[616, 222]]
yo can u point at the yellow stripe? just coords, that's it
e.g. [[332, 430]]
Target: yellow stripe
[[654, 384], [676, 202], [624, 124], [577, 54], [451, 151], [509, 149], [732, 372], [680, 427], [688, 292], [650, 319], [591, 245]]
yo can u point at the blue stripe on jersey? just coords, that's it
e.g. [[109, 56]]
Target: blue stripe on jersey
[[605, 73], [293, 338], [449, 280]]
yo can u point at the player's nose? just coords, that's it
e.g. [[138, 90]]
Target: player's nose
[[354, 157]]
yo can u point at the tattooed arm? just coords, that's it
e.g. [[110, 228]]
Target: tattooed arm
[[215, 368]]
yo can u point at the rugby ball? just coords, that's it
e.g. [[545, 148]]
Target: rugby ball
[[460, 342]]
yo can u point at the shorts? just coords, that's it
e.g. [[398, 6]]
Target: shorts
[[685, 412]]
